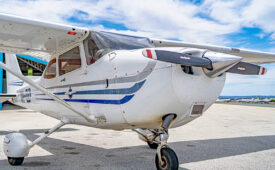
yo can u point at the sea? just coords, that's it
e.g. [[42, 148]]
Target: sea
[[246, 97]]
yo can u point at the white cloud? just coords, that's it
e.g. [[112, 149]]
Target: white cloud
[[260, 13], [227, 12], [159, 18], [172, 19], [243, 13]]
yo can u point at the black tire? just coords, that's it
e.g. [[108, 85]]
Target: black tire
[[15, 161], [169, 158], [152, 145]]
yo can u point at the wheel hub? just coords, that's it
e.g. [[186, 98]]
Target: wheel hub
[[164, 163]]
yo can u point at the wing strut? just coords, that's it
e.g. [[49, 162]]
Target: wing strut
[[89, 118]]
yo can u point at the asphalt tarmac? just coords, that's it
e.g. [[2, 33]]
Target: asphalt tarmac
[[225, 137]]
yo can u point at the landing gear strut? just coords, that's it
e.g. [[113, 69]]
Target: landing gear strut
[[166, 158], [17, 147]]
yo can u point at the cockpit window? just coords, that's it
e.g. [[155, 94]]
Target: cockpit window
[[51, 70], [111, 41], [91, 50], [101, 43], [69, 61]]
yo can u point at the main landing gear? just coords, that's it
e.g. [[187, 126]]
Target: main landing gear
[[166, 158], [16, 146]]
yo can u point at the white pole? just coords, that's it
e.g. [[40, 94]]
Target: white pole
[[89, 118]]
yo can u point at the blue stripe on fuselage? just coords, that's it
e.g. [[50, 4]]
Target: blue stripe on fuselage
[[17, 83], [97, 101]]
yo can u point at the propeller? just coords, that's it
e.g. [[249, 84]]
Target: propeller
[[212, 63]]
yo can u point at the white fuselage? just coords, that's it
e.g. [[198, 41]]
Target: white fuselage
[[125, 90]]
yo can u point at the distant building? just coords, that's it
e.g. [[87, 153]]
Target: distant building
[[30, 66]]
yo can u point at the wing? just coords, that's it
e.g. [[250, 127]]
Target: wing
[[32, 37], [249, 56]]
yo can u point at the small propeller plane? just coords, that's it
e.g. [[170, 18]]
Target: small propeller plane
[[115, 81]]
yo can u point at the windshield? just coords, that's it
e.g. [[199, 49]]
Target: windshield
[[111, 41], [100, 43]]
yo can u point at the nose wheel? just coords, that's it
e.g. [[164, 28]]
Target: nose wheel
[[166, 158], [169, 160]]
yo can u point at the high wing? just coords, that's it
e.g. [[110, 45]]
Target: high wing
[[39, 39], [249, 56], [36, 38]]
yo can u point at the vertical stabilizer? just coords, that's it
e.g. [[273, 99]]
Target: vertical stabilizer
[[13, 83]]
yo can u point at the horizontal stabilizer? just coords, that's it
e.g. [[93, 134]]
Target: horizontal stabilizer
[[177, 58], [5, 97], [247, 69]]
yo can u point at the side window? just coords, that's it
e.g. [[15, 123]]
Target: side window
[[69, 61], [51, 70]]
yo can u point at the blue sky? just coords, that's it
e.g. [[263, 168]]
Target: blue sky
[[236, 23]]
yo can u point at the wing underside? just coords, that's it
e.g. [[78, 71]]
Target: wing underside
[[36, 38]]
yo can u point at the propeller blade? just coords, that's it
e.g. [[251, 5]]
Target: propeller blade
[[247, 69], [177, 58]]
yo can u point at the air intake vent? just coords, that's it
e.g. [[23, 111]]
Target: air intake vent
[[197, 110]]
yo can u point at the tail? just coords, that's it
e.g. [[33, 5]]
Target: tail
[[13, 83]]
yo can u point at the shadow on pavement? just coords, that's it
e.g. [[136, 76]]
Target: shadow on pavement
[[70, 155]]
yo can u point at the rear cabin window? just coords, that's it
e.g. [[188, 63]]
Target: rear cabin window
[[69, 61], [51, 70]]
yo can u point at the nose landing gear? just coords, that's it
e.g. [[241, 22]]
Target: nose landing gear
[[166, 158]]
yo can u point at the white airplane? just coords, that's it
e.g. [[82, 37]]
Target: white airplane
[[113, 81], [266, 100]]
